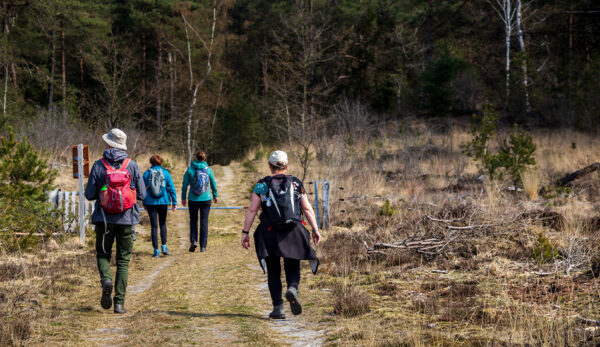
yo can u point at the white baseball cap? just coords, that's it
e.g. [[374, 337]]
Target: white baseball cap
[[278, 159]]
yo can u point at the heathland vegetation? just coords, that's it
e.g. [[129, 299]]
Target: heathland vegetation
[[444, 128]]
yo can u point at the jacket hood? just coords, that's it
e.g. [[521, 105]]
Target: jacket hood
[[114, 155], [199, 164]]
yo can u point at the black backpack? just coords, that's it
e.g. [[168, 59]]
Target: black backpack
[[283, 206]]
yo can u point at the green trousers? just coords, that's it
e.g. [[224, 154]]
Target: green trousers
[[123, 234]]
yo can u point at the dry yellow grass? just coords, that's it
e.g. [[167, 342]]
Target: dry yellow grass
[[486, 289]]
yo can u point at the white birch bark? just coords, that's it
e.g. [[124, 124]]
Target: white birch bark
[[194, 87], [5, 90], [506, 12], [522, 49]]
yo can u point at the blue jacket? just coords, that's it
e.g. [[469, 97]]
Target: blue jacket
[[169, 195], [188, 178]]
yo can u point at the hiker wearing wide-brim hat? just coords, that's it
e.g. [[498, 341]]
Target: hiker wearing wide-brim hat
[[281, 232], [115, 182]]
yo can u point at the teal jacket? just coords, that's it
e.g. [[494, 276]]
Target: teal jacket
[[188, 178]]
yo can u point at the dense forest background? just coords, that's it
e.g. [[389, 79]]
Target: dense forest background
[[226, 75]]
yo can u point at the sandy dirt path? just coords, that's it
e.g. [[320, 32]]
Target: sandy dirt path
[[215, 298]]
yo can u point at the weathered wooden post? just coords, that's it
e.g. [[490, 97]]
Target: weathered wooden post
[[81, 159], [325, 215]]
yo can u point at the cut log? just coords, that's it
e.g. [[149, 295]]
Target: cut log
[[577, 174]]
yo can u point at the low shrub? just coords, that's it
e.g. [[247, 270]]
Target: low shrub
[[544, 251], [387, 209], [350, 302]]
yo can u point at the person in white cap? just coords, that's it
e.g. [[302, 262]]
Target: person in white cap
[[115, 183], [281, 232]]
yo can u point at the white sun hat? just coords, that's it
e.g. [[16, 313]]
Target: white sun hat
[[278, 159], [116, 138]]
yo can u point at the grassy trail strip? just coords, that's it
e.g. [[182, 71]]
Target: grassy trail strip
[[215, 298]]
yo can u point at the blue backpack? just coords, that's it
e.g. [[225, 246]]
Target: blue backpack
[[200, 181]]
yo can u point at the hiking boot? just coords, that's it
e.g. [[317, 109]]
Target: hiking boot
[[292, 296], [277, 312], [165, 251], [203, 249], [106, 301], [120, 308], [193, 246], [156, 253]]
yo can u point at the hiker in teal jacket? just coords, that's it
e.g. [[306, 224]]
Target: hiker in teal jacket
[[193, 177], [157, 205]]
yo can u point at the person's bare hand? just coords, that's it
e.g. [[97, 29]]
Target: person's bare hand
[[183, 202], [216, 200], [174, 208], [245, 241], [316, 237]]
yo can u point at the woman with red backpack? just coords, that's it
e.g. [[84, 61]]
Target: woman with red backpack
[[281, 232], [200, 179], [161, 194]]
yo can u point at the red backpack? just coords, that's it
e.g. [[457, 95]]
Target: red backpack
[[118, 195]]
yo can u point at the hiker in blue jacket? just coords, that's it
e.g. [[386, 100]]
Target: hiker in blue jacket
[[203, 188], [161, 194]]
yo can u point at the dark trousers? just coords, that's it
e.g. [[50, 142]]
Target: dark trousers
[[292, 276], [158, 217], [204, 208], [122, 234]]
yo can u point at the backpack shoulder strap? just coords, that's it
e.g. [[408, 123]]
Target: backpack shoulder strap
[[106, 164], [125, 163]]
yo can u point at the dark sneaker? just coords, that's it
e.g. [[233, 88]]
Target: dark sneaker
[[106, 301], [193, 247], [292, 296], [277, 312], [120, 308], [202, 249]]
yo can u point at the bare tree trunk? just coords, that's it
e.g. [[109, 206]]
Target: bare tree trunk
[[52, 71], [570, 69], [5, 90], [143, 65], [214, 120], [519, 28], [63, 64], [194, 88], [5, 29], [171, 84], [189, 123], [159, 94], [506, 13], [508, 33], [81, 71]]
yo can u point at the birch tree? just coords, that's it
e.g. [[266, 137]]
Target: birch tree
[[195, 84], [519, 25], [507, 13]]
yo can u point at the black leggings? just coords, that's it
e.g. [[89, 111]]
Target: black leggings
[[204, 208], [292, 276], [159, 211]]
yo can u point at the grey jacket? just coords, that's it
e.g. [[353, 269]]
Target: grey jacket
[[96, 181]]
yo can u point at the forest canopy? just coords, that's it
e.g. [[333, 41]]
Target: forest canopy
[[236, 73]]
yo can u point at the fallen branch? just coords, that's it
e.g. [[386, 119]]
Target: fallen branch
[[588, 321], [427, 246], [468, 227], [578, 174], [445, 220]]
